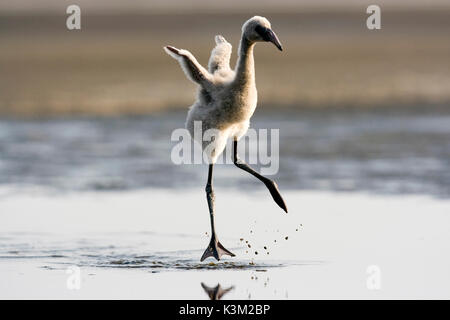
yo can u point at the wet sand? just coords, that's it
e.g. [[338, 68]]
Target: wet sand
[[126, 248]]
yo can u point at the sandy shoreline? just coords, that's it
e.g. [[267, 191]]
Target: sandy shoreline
[[115, 65], [339, 237]]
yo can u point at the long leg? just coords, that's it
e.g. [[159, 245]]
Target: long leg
[[211, 198], [215, 248], [270, 184]]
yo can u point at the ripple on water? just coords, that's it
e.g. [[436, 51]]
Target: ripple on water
[[183, 264], [58, 253]]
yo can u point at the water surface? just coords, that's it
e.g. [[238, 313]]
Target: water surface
[[402, 152]]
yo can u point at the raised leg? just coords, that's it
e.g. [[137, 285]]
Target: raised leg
[[215, 248], [270, 184]]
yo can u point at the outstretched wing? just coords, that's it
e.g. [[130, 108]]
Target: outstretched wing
[[193, 70], [220, 55]]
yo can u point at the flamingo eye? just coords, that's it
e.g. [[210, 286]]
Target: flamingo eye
[[263, 32]]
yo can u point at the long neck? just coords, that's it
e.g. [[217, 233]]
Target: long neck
[[245, 68]]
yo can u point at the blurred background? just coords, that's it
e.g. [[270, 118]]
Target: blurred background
[[93, 109]]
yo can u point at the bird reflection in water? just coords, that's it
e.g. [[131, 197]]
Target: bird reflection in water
[[217, 292]]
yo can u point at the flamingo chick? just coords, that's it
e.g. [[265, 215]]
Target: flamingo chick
[[226, 101]]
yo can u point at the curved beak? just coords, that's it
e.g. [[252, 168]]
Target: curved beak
[[272, 37]]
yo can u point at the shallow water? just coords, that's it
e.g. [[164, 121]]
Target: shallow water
[[136, 250], [401, 152], [146, 244], [103, 195], [153, 230]]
